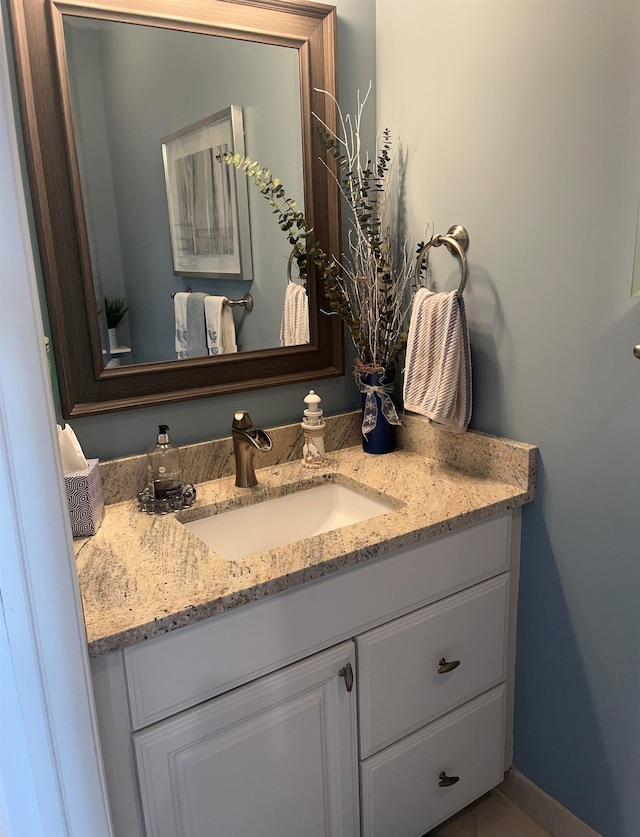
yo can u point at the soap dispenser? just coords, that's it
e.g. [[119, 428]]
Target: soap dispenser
[[164, 471], [313, 425]]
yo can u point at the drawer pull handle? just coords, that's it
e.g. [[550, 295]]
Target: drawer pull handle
[[447, 781], [347, 673], [446, 667]]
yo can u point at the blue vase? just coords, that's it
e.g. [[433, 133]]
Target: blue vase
[[381, 438]]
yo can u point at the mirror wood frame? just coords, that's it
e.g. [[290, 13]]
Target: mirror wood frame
[[86, 387]]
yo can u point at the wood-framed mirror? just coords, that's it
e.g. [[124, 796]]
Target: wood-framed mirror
[[87, 385]]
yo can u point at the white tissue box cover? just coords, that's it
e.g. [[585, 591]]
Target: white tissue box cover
[[85, 500]]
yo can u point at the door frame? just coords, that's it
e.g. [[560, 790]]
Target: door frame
[[53, 781]]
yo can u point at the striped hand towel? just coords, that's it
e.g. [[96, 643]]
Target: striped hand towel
[[437, 378]]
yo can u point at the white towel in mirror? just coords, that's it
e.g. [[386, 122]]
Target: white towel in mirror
[[294, 329], [221, 330]]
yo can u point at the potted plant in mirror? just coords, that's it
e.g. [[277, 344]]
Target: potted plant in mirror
[[369, 285], [114, 309]]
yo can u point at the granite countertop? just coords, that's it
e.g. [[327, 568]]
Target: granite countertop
[[141, 576]]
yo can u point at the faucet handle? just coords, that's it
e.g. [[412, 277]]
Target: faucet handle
[[242, 421]]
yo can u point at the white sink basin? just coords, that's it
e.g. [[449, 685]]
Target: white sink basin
[[244, 531]]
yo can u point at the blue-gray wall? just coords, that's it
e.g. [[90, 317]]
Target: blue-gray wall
[[522, 122]]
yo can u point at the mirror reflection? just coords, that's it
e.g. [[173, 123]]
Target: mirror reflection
[[135, 89]]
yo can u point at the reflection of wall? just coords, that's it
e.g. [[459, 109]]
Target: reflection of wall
[[527, 133], [95, 164], [156, 82]]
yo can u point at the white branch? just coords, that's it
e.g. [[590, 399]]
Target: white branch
[[381, 309]]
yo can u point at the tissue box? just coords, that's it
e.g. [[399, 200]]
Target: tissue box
[[85, 500]]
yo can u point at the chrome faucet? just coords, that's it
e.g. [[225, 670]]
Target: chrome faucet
[[246, 439]]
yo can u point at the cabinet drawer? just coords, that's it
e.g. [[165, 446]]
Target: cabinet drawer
[[170, 673], [401, 795], [400, 687]]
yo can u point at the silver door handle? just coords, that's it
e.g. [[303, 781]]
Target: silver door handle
[[347, 673], [636, 350], [445, 667]]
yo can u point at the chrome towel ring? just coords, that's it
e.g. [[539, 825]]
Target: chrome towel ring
[[289, 264], [456, 241]]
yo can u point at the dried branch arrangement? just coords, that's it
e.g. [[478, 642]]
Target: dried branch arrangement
[[369, 286]]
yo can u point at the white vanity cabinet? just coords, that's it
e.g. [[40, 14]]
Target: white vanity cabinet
[[241, 725]]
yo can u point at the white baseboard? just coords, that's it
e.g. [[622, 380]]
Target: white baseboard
[[542, 808]]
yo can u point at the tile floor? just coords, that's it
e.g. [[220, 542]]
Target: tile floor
[[491, 816]]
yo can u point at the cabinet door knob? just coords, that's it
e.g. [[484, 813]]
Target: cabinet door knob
[[445, 666], [447, 781], [347, 673]]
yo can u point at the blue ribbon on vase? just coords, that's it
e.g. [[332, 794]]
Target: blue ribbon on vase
[[370, 411]]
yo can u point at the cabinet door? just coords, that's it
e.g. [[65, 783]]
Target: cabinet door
[[275, 758]]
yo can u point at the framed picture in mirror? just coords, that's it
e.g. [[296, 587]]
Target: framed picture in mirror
[[207, 202]]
